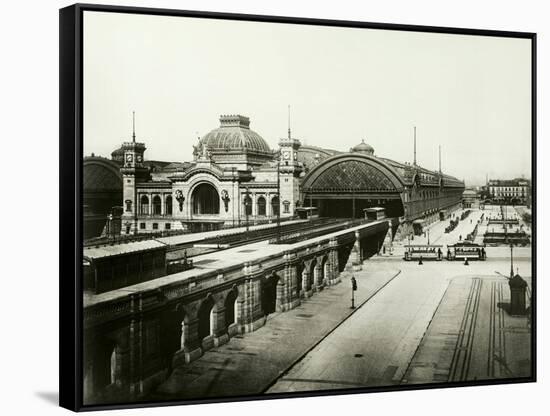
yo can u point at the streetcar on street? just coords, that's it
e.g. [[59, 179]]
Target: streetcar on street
[[424, 252], [466, 250]]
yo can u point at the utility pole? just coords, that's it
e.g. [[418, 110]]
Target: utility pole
[[352, 204], [511, 261], [136, 202], [279, 192], [414, 160], [233, 194]]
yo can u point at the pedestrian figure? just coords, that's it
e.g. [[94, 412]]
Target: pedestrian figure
[[420, 261], [466, 261], [448, 254], [439, 253]]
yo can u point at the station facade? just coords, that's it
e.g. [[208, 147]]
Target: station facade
[[235, 178]]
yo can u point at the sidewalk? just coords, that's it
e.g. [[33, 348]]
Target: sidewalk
[[250, 363]]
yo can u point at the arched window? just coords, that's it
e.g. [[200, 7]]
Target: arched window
[[144, 205], [168, 203], [275, 205], [286, 205], [157, 205], [261, 206], [247, 205], [128, 205], [205, 199]]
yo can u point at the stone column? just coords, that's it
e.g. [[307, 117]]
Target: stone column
[[254, 206], [317, 274], [135, 344], [192, 348], [334, 263], [305, 278], [253, 315], [281, 294], [220, 329]]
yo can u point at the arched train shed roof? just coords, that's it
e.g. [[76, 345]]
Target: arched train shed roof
[[362, 172], [353, 171], [101, 175]]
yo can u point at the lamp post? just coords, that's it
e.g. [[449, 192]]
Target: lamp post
[[233, 195], [246, 205], [428, 230], [352, 204]]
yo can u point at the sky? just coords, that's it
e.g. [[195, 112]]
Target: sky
[[471, 95]]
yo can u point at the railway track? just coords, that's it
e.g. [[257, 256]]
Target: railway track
[[462, 356], [224, 242]]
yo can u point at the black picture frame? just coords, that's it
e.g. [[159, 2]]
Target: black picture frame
[[71, 215]]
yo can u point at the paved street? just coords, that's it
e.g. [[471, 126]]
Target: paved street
[[407, 329], [248, 364]]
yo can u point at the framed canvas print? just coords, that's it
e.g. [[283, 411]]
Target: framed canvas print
[[258, 207]]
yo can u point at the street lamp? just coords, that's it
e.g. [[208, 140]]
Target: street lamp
[[246, 205], [233, 194], [428, 236]]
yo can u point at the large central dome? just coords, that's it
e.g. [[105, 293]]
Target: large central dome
[[234, 134]]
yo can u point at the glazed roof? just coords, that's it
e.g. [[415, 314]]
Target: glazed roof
[[101, 175], [234, 134]]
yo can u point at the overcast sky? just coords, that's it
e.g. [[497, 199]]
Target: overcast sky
[[469, 94]]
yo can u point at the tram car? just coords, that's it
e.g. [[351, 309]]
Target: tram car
[[466, 250], [375, 213], [307, 213], [424, 251]]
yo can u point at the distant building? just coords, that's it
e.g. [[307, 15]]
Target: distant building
[[515, 191], [470, 198]]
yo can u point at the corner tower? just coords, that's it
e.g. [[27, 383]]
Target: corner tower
[[289, 170], [133, 171]]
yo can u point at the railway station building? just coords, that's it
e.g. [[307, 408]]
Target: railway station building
[[235, 178]]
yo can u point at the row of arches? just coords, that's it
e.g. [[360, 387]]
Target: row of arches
[[153, 206], [261, 206], [183, 329]]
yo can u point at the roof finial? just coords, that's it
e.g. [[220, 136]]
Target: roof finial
[[289, 135], [414, 161], [134, 126]]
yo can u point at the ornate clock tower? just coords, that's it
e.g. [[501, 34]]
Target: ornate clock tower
[[133, 171], [289, 171]]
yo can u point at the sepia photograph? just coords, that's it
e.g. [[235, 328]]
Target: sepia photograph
[[281, 208]]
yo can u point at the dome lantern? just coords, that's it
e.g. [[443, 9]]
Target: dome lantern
[[234, 140], [363, 148]]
